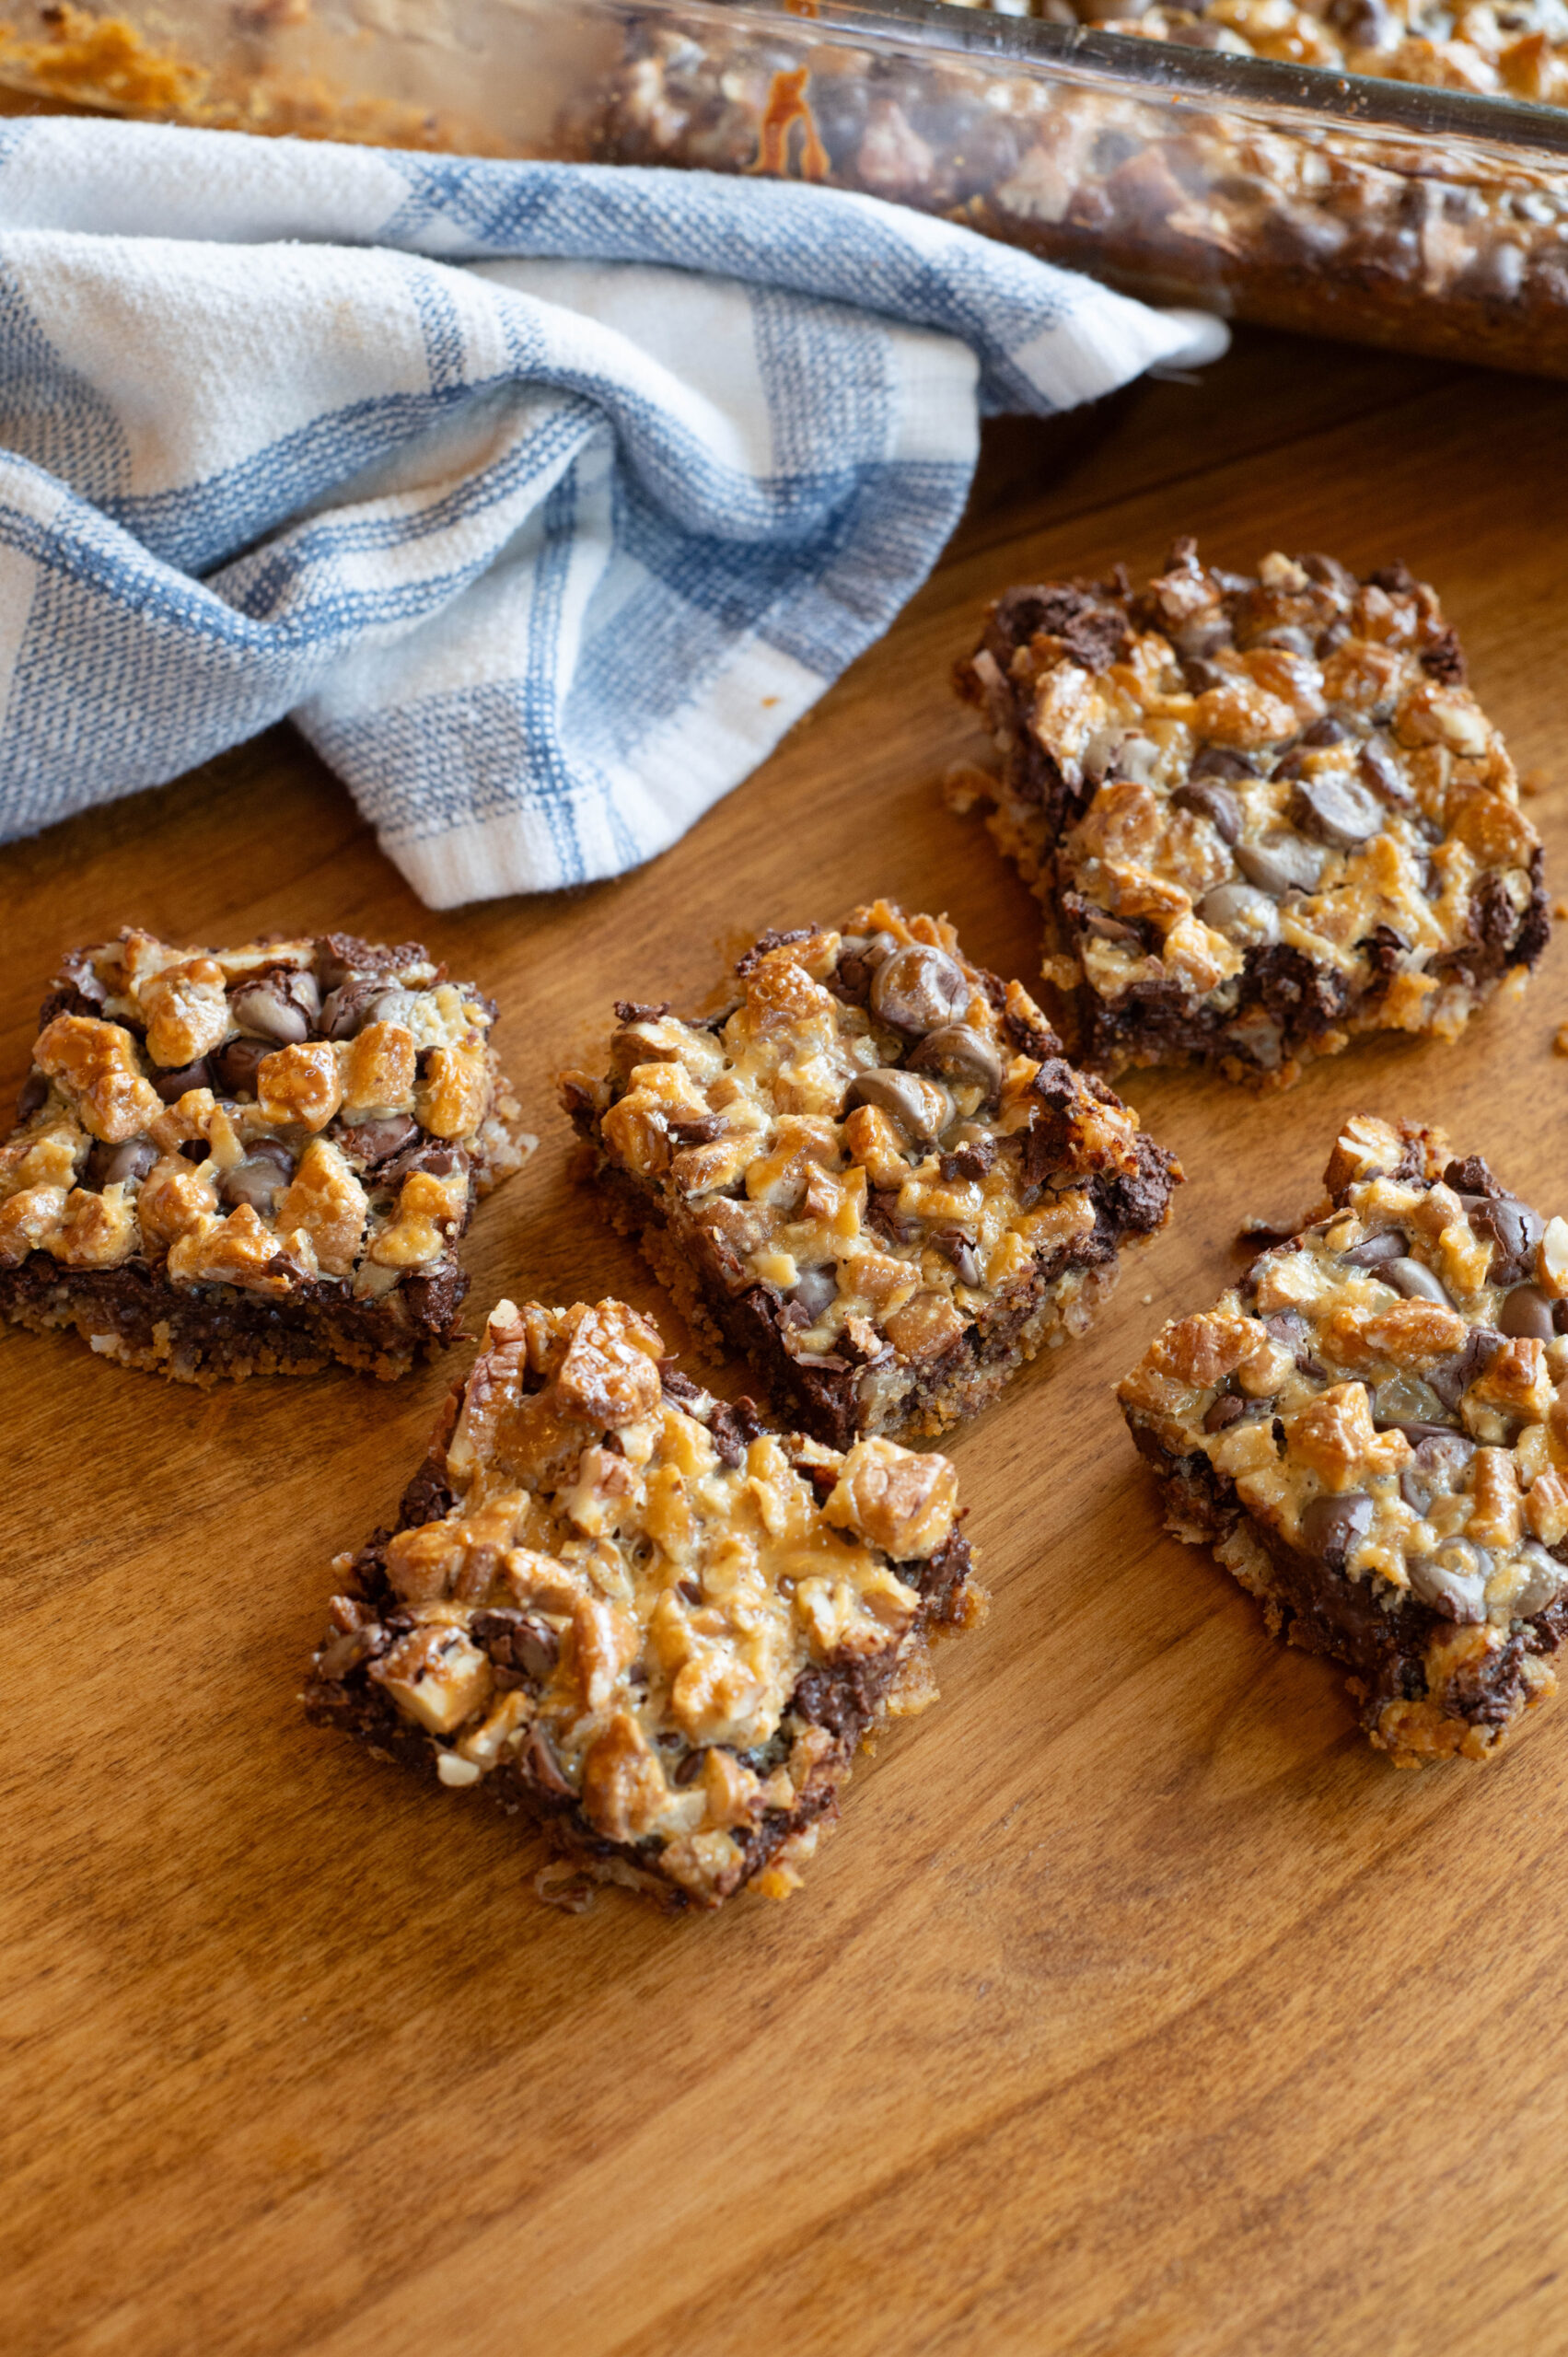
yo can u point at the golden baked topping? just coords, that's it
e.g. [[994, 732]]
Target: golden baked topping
[[632, 1585]]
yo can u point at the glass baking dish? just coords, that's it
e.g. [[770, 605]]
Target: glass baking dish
[[1432, 220]]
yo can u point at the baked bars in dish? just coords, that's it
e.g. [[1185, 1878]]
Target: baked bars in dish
[[1371, 1433], [1262, 812], [258, 1160], [873, 1172], [630, 1609]]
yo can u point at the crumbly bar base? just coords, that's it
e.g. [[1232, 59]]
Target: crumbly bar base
[[1468, 1715], [1039, 1312], [131, 1316]]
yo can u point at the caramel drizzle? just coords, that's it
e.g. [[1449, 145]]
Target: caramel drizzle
[[788, 105]]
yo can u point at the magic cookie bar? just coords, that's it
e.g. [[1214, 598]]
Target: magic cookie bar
[[874, 1172], [230, 1161], [1370, 1433], [624, 1604], [1263, 814]]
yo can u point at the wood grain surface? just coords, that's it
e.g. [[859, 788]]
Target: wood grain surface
[[1136, 2006]]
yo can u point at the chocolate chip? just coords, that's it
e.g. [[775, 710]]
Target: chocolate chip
[[1330, 571], [1280, 863], [1242, 914], [258, 1181], [373, 1143], [535, 1648], [32, 1094], [904, 1099], [1331, 1525], [776, 937], [1543, 1581], [689, 1590], [1211, 800], [1390, 1243], [1439, 1468], [1515, 1229], [638, 1010], [959, 1248], [1452, 1377], [1100, 922], [1288, 636], [352, 1005], [882, 1213], [1454, 1581], [540, 1767], [690, 1768], [1218, 760], [278, 1007], [111, 1165], [1327, 731], [517, 1639], [699, 1129], [919, 988], [1226, 1410], [1415, 1281], [814, 1289], [1337, 811], [1381, 773], [235, 1065], [1443, 659], [172, 1086], [1470, 1177], [1528, 1315], [195, 1150], [971, 1160], [962, 1053], [732, 1429]]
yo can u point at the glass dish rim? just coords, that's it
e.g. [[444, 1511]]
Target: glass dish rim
[[1316, 98]]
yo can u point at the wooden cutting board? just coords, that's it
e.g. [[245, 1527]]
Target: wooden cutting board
[[1136, 2006]]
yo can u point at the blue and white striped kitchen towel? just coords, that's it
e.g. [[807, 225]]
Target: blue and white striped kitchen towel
[[543, 498]]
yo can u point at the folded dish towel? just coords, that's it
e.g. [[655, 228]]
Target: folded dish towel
[[543, 498]]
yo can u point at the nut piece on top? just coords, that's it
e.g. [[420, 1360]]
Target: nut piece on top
[[232, 1161], [661, 1627], [1370, 1433], [1261, 814], [872, 1173]]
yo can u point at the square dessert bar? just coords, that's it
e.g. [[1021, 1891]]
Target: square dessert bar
[[231, 1161], [628, 1608], [873, 1172], [1372, 1434], [1263, 814]]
